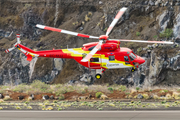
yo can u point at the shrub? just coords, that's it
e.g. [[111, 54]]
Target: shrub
[[41, 86], [17, 107], [138, 33], [165, 91], [105, 29], [29, 107], [137, 88], [26, 102], [155, 37], [98, 94], [163, 102], [81, 91], [166, 33], [61, 97], [139, 49], [123, 88], [162, 91], [145, 96], [110, 89], [60, 91], [111, 104], [21, 88]]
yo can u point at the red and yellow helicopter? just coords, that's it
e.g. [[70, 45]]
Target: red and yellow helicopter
[[102, 55]]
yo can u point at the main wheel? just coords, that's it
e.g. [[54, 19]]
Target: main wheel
[[98, 76]]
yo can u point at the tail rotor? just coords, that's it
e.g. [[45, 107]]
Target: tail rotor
[[15, 45]]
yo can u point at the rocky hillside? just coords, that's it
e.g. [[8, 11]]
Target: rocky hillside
[[144, 19]]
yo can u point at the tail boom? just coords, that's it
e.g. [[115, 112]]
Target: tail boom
[[47, 53]]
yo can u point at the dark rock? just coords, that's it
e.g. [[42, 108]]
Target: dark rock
[[45, 97], [40, 44], [151, 3], [47, 82], [72, 82], [32, 96], [56, 98], [78, 25], [142, 79], [51, 97], [20, 97], [90, 96], [1, 96], [2, 44], [81, 28], [140, 96]]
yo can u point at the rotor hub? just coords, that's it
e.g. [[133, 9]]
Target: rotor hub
[[104, 37]]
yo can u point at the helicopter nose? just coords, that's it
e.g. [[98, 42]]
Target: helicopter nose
[[140, 60]]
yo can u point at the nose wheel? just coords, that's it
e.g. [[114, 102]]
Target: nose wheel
[[98, 76], [133, 69]]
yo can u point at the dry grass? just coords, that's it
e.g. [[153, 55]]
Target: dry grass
[[60, 89], [87, 18]]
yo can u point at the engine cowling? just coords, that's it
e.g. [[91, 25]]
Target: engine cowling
[[108, 47]]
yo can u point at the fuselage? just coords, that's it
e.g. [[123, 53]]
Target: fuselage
[[110, 56]]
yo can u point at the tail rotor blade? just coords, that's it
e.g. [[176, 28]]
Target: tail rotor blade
[[18, 38], [96, 48], [118, 16], [65, 31], [9, 50], [143, 41]]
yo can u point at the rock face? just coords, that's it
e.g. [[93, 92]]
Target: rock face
[[148, 17]]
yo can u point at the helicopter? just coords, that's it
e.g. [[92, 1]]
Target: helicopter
[[102, 55]]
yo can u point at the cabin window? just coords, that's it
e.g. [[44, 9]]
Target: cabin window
[[94, 60], [111, 58], [126, 59]]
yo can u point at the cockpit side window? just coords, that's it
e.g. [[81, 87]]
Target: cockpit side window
[[126, 59], [132, 57]]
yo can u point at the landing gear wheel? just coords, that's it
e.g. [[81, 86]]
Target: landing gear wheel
[[133, 69], [98, 76]]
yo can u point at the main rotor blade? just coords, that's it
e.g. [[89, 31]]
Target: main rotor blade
[[89, 56], [9, 50], [65, 31], [142, 41], [118, 16]]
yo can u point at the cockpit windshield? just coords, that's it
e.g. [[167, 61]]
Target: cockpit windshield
[[132, 56]]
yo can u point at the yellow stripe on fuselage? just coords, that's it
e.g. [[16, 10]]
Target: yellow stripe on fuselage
[[77, 52], [106, 61]]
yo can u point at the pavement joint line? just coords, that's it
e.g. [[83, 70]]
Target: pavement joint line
[[178, 111]]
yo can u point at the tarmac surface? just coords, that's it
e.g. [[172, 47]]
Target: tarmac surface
[[89, 115]]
